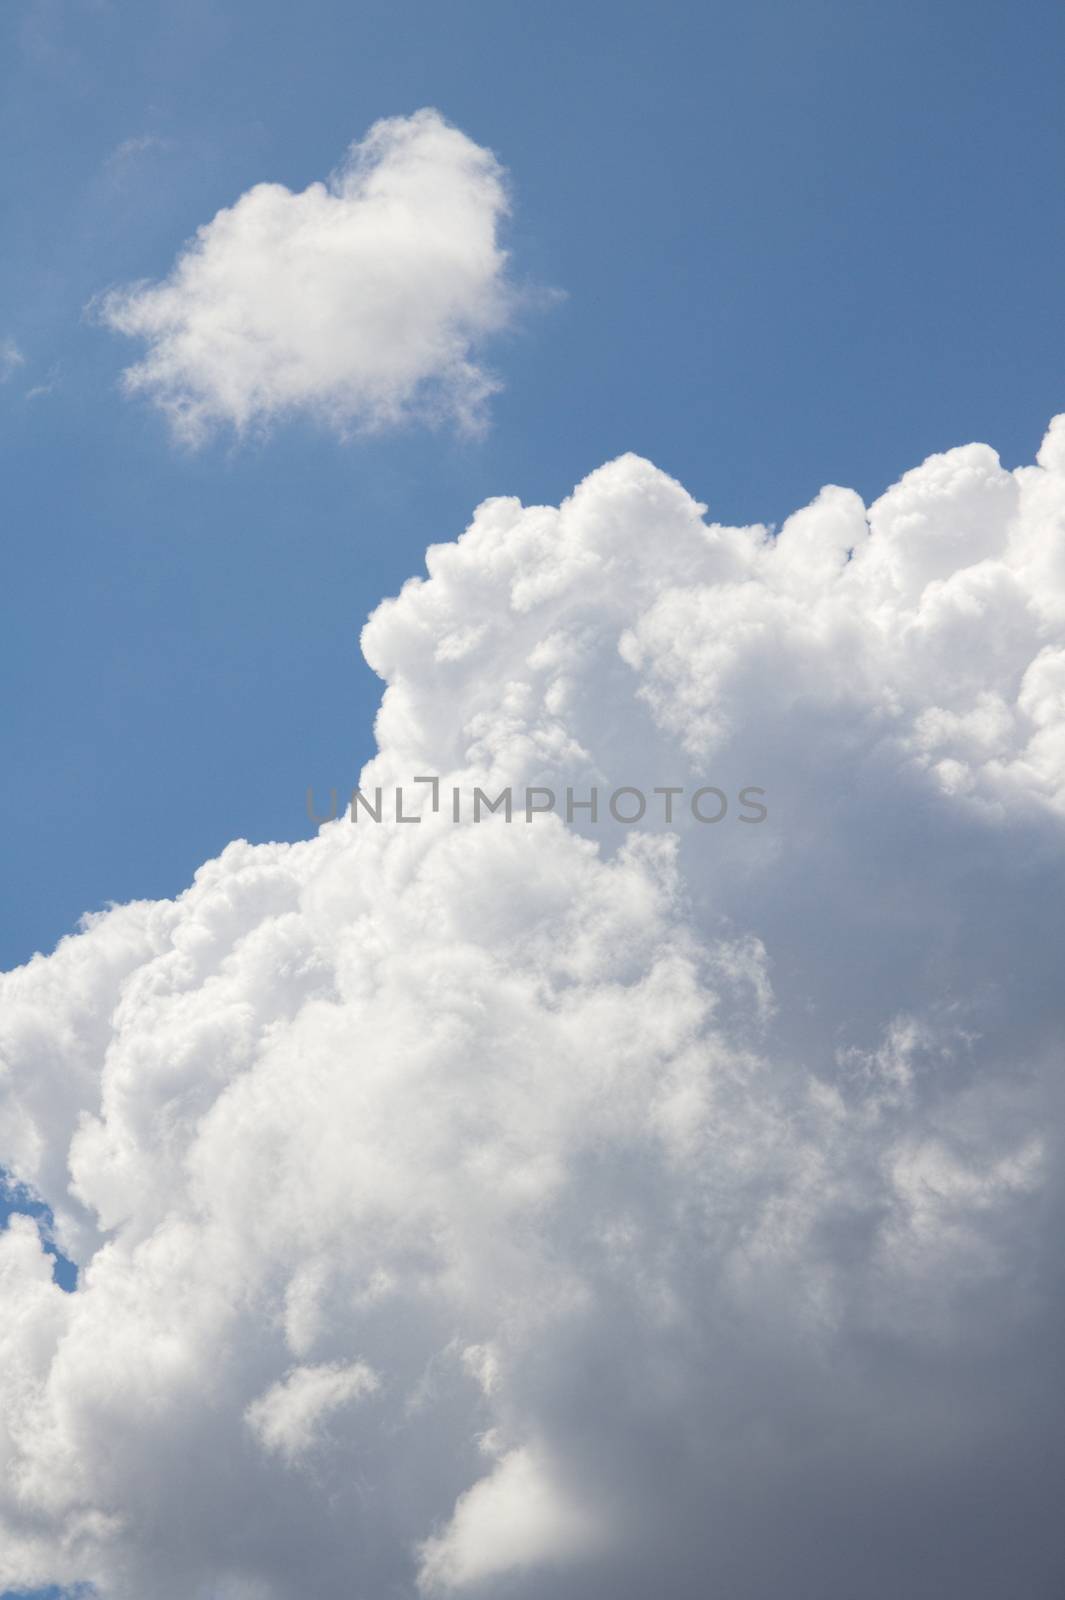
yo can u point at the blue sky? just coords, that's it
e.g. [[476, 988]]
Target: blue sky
[[798, 243]]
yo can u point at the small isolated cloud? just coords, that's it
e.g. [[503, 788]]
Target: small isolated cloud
[[362, 301], [11, 358], [126, 154], [51, 382]]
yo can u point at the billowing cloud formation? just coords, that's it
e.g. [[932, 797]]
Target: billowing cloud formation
[[361, 301], [584, 1209]]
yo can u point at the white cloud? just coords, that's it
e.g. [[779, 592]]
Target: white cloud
[[362, 301], [130, 150], [511, 1519], [11, 358], [52, 381], [288, 1417], [588, 1210]]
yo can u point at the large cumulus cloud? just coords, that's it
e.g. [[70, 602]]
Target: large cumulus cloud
[[361, 301], [586, 1209]]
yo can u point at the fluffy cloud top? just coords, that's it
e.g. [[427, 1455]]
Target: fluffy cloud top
[[360, 301], [584, 1209]]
